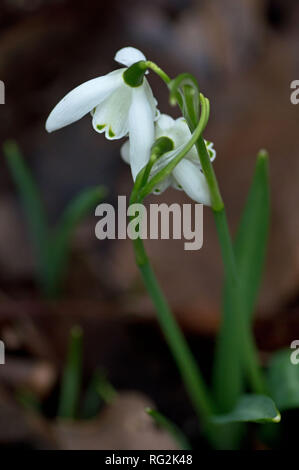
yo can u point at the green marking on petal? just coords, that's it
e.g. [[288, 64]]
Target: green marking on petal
[[210, 149], [111, 133], [100, 127]]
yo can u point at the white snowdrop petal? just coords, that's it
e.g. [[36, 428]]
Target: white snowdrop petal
[[82, 100], [189, 176], [141, 130], [151, 99], [181, 134], [129, 56], [125, 152], [111, 115], [164, 125], [177, 130], [162, 186]]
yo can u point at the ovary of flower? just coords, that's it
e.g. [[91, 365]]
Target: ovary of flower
[[116, 108], [187, 175]]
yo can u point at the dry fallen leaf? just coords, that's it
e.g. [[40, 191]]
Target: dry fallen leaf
[[37, 376], [122, 425]]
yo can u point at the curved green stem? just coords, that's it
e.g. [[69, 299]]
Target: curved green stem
[[207, 167], [179, 153], [155, 68]]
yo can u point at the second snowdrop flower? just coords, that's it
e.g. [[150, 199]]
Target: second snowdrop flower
[[187, 175], [117, 108]]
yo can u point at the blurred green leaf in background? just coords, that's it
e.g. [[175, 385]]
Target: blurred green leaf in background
[[52, 246]]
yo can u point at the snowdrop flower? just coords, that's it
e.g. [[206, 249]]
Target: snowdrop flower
[[117, 108], [187, 175]]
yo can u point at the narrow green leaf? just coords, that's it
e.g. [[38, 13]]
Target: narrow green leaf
[[51, 251], [32, 203], [61, 239], [100, 391], [249, 248], [170, 427], [104, 388], [71, 380], [251, 408], [252, 235], [283, 380], [92, 400]]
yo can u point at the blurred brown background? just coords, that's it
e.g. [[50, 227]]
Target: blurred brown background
[[245, 55]]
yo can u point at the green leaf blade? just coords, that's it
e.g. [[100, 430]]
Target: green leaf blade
[[71, 380], [252, 235], [251, 408], [283, 380], [170, 427], [100, 391], [249, 249], [32, 203]]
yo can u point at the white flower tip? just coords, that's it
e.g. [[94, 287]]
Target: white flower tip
[[129, 56], [53, 122], [49, 126]]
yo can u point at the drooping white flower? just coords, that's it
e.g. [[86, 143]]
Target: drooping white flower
[[187, 175], [117, 108]]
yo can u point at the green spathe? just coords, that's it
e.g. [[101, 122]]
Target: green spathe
[[162, 145], [133, 76]]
